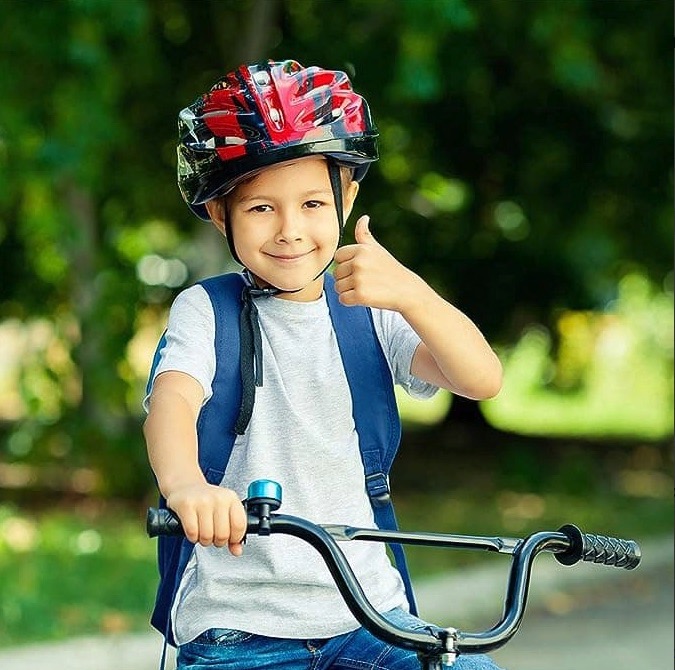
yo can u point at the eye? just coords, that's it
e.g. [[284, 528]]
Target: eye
[[314, 204], [259, 209]]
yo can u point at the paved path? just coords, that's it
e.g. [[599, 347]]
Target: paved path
[[624, 630], [582, 617]]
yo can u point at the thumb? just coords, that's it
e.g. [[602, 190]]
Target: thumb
[[362, 233]]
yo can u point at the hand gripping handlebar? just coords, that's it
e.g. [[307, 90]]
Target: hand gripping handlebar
[[436, 647]]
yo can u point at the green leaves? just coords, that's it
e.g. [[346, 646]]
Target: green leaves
[[526, 162]]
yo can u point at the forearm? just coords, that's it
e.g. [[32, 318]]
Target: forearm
[[209, 514], [171, 439], [454, 353]]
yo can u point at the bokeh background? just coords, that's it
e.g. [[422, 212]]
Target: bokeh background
[[526, 172]]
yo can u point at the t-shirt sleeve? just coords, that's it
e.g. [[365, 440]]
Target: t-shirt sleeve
[[399, 342], [190, 336]]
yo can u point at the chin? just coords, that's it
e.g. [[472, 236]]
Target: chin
[[309, 289], [297, 284]]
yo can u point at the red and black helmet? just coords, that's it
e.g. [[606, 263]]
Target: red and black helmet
[[267, 113]]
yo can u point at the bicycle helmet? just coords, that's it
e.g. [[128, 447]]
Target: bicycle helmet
[[266, 113]]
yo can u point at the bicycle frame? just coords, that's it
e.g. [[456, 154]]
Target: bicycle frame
[[437, 648]]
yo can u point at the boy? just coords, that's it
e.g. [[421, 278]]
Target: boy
[[273, 156]]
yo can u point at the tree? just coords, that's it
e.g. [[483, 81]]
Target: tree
[[525, 167]]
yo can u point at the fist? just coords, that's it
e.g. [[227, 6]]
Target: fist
[[210, 515]]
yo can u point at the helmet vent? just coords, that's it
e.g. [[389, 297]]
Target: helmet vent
[[275, 117], [262, 78]]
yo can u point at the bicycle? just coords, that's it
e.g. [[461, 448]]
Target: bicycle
[[437, 649]]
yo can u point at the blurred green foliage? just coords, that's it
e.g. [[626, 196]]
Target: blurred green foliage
[[612, 375], [526, 171], [66, 573]]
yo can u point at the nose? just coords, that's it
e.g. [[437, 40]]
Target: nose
[[290, 228]]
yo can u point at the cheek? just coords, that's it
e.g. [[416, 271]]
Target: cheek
[[240, 238], [332, 238], [328, 231], [245, 233]]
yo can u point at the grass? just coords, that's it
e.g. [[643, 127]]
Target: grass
[[67, 573]]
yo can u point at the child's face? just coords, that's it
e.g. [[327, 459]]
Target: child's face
[[285, 227]]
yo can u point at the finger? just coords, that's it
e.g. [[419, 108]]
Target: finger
[[221, 527], [236, 548], [348, 298], [362, 233], [190, 524], [343, 285], [342, 270], [206, 528], [238, 523], [346, 253]]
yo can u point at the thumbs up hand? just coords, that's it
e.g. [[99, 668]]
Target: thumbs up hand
[[367, 274]]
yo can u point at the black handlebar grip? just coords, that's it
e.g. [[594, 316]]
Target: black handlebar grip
[[611, 551], [162, 521]]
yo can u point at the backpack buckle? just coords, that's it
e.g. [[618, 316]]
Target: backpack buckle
[[377, 486]]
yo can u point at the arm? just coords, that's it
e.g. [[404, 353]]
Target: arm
[[209, 514], [453, 353]]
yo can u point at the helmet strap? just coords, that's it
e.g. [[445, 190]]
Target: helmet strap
[[250, 355], [336, 186], [229, 237]]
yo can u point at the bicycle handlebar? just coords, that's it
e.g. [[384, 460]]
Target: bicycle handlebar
[[568, 544]]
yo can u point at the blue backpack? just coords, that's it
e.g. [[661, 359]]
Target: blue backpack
[[374, 410]]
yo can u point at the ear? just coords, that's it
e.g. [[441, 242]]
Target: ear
[[349, 197], [216, 210]]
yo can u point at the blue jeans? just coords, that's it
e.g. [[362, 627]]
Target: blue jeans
[[225, 649]]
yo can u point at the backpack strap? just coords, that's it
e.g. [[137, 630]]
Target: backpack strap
[[375, 412], [218, 417]]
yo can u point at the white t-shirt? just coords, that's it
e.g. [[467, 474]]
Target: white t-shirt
[[301, 435]]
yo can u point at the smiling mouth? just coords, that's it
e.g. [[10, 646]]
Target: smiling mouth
[[289, 258]]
